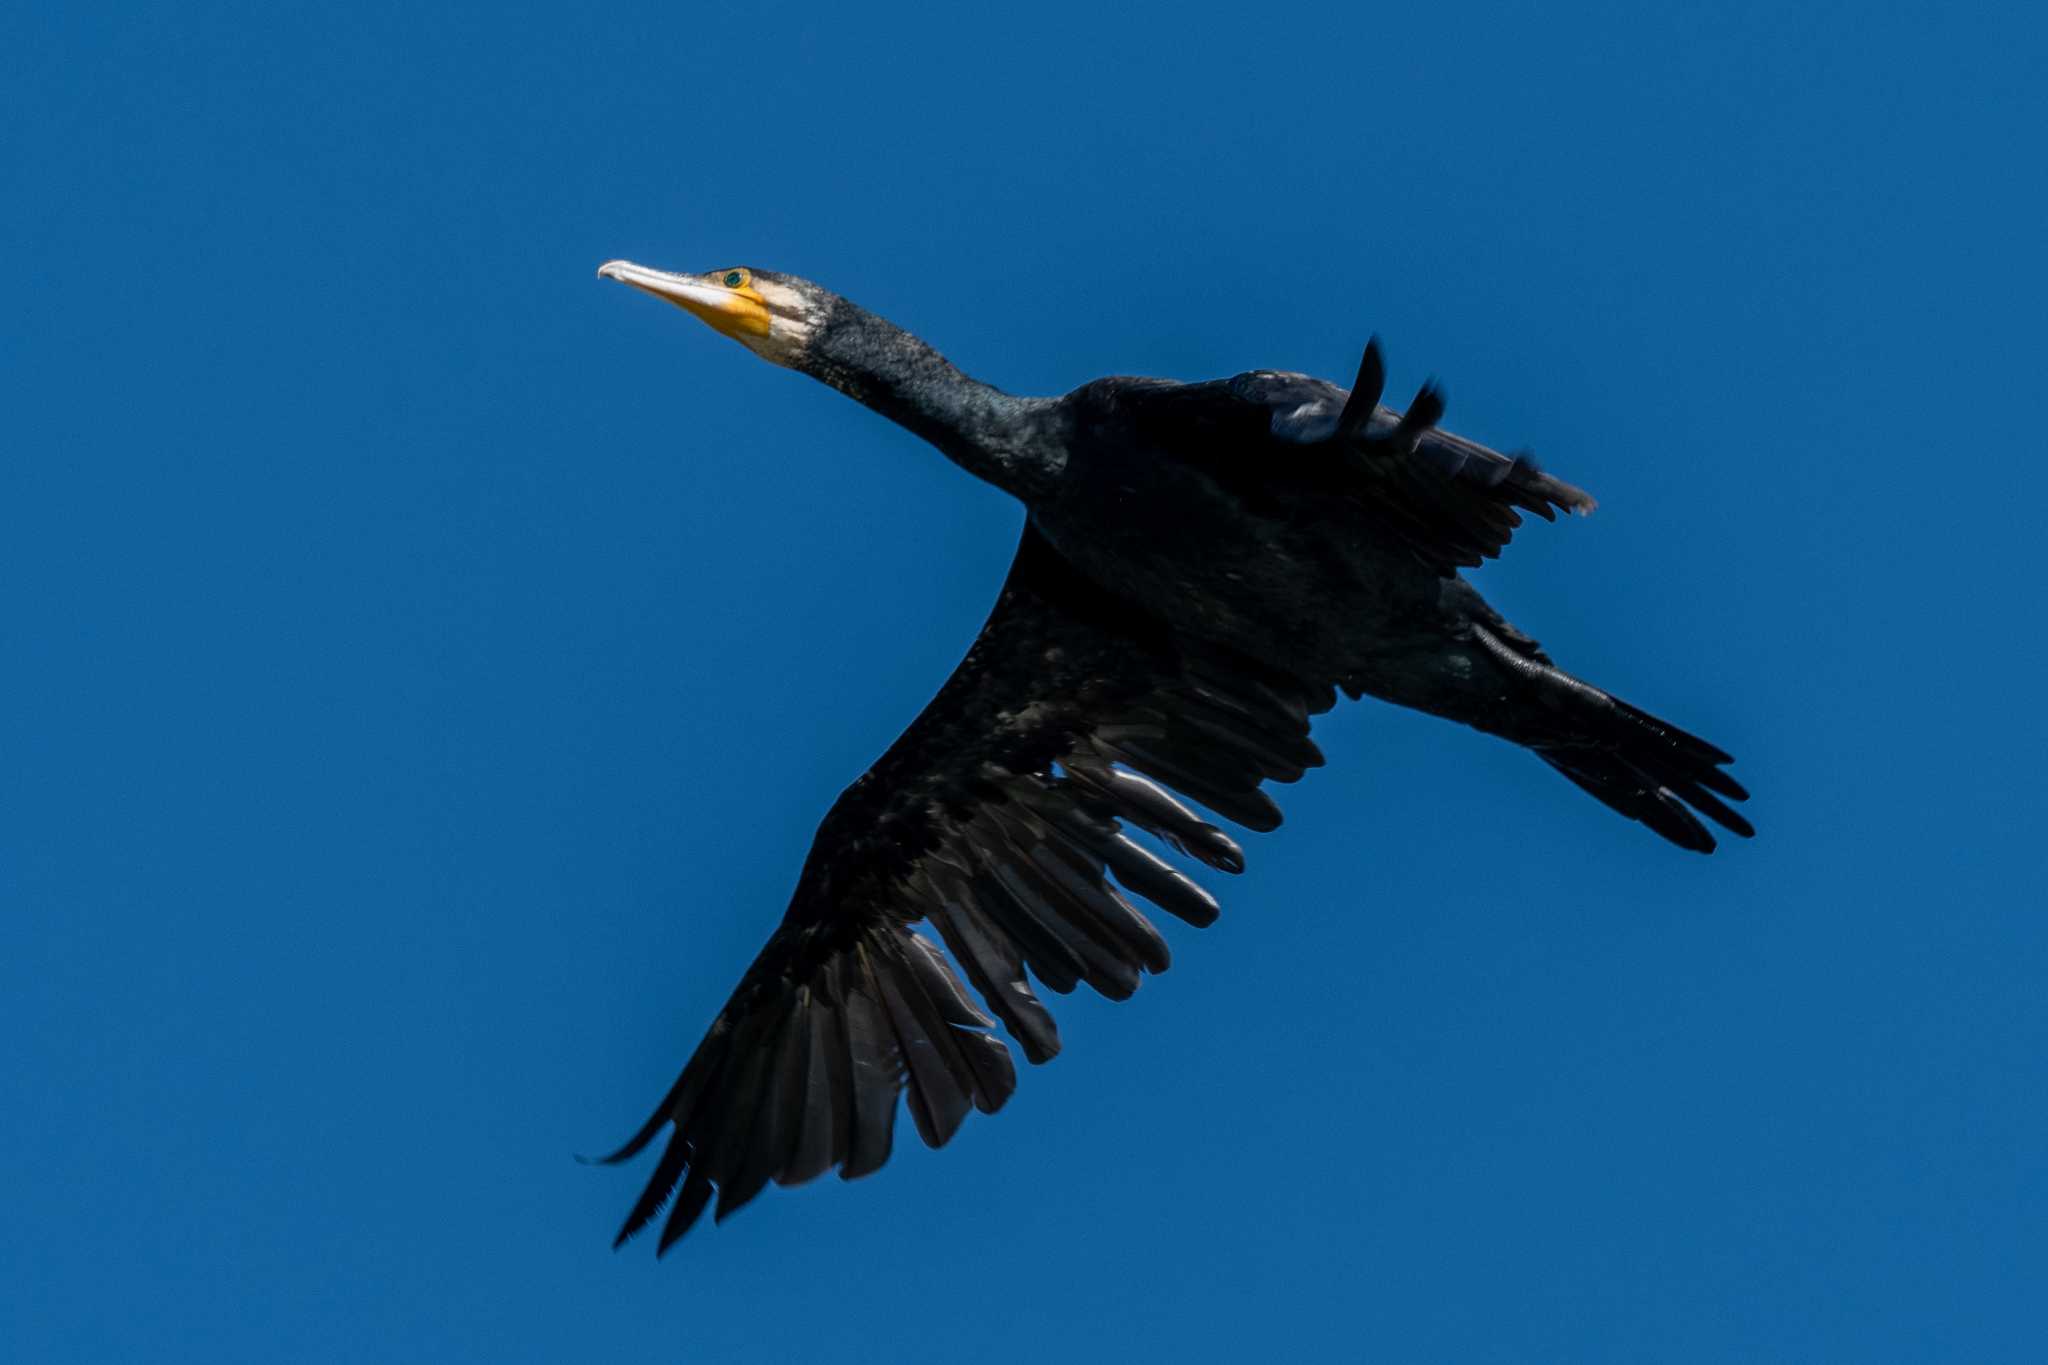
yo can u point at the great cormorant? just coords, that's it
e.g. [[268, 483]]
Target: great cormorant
[[1203, 568]]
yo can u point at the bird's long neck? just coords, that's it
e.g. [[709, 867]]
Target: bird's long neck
[[996, 436]]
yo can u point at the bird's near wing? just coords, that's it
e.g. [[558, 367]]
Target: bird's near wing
[[996, 817], [1452, 501]]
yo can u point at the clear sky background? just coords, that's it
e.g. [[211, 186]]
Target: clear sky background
[[425, 663]]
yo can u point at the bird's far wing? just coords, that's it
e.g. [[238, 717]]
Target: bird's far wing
[[997, 818], [1452, 501]]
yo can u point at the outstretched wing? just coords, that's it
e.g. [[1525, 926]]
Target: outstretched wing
[[997, 818], [1454, 503]]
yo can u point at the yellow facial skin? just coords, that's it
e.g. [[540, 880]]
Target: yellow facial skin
[[724, 300]]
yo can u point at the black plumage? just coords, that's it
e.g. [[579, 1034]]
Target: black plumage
[[1204, 568]]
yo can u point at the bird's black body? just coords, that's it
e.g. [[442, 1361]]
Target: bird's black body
[[1204, 568], [1184, 498]]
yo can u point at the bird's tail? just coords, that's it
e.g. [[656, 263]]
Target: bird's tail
[[1630, 761], [1652, 771]]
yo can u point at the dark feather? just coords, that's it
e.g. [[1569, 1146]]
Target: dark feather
[[938, 1099], [688, 1208], [1696, 796], [1228, 790], [1148, 875], [1037, 898], [876, 1077], [1055, 963], [1365, 393], [811, 1157], [660, 1186], [992, 1075], [750, 1147], [994, 966], [1144, 804], [1094, 904], [1425, 412], [834, 1029]]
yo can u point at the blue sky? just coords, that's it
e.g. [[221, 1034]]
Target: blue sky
[[426, 664]]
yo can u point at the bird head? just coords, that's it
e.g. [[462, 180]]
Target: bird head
[[774, 316]]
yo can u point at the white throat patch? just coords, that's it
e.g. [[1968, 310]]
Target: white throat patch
[[792, 321]]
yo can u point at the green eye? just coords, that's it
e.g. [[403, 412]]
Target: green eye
[[733, 278]]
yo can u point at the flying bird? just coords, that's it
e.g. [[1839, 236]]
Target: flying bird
[[1204, 567]]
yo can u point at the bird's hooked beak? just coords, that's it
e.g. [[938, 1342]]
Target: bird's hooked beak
[[737, 311]]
